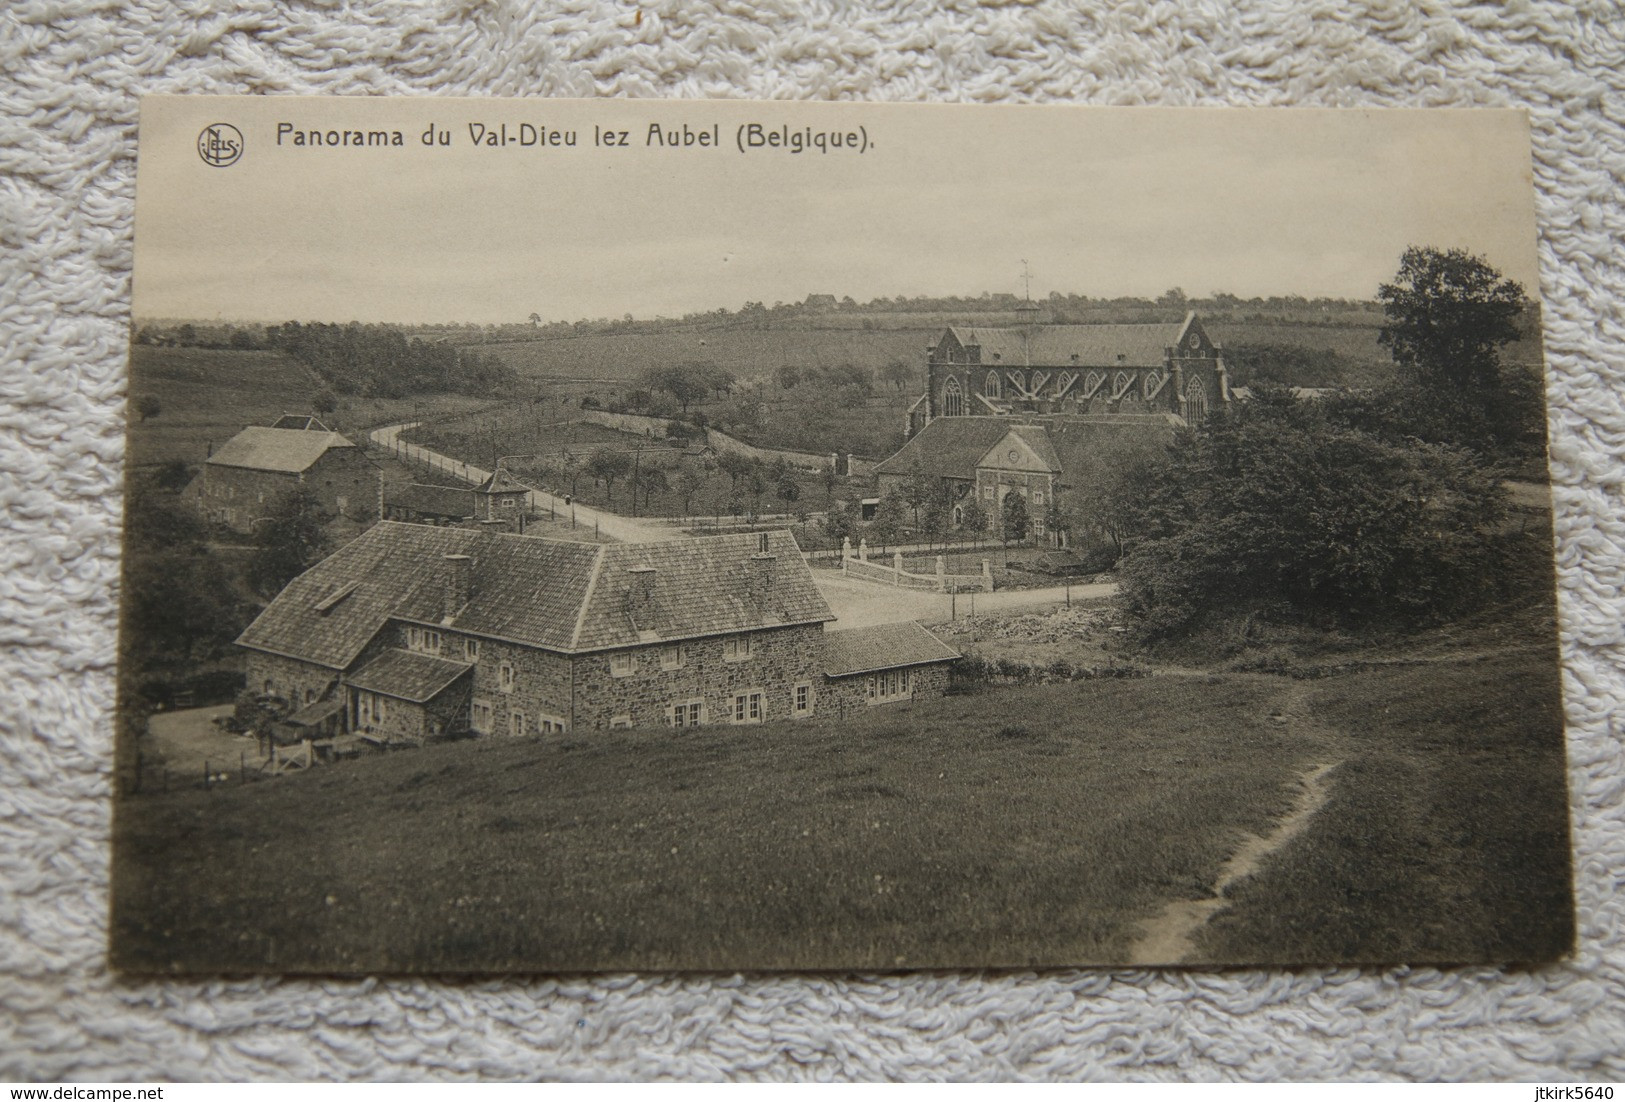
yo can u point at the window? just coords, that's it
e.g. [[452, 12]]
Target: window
[[623, 664], [1038, 497], [506, 677], [685, 713], [748, 707], [551, 725], [987, 492], [516, 723], [369, 709], [479, 716], [310, 696], [471, 650], [620, 723], [507, 503], [801, 700], [953, 399], [990, 385], [736, 648], [671, 658], [422, 640], [890, 685]]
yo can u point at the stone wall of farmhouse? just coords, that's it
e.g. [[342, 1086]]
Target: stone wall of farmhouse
[[346, 482], [779, 659], [848, 697], [237, 497], [402, 719], [539, 691], [294, 681]]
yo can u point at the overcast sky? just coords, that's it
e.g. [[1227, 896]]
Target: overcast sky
[[946, 200]]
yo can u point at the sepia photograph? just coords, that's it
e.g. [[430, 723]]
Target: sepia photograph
[[572, 536]]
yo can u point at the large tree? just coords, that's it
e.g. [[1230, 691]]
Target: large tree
[[1448, 314], [294, 540], [1273, 510]]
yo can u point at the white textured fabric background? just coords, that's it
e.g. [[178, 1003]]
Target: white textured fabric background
[[72, 73]]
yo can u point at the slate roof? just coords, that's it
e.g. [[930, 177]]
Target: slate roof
[[426, 500], [289, 451], [553, 594], [411, 677], [700, 587], [501, 482], [883, 647], [948, 447], [1140, 345]]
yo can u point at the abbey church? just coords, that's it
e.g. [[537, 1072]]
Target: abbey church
[[1086, 370], [1031, 409]]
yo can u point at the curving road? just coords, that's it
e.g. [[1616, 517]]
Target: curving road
[[613, 525]]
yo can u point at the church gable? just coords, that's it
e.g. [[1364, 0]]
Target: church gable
[[1024, 448]]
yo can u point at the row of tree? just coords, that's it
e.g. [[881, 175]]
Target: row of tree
[[380, 361]]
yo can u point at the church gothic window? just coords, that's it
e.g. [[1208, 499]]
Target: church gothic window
[[953, 399], [1195, 400], [990, 386]]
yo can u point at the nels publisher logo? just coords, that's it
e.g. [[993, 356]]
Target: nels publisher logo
[[220, 144]]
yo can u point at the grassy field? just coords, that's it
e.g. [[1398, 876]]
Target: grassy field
[[746, 352], [1446, 836], [1014, 827], [978, 829], [208, 395]]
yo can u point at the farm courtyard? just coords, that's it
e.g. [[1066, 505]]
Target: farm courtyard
[[1355, 810]]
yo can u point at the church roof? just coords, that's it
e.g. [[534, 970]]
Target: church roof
[[883, 647], [948, 447], [1139, 345], [269, 449], [551, 594]]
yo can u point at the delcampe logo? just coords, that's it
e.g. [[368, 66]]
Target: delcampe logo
[[220, 144]]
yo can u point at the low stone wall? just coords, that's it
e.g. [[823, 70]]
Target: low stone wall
[[859, 566]]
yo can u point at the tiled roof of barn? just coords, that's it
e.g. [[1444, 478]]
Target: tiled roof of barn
[[1139, 345], [305, 422], [408, 676], [287, 450], [427, 500], [883, 647], [552, 594], [948, 447]]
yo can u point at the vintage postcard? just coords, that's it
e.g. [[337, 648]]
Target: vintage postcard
[[569, 535]]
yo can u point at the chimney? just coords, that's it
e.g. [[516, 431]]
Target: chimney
[[640, 596], [458, 571], [759, 574]]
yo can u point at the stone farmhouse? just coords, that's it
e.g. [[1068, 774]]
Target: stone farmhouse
[[242, 481], [1082, 370], [410, 631]]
